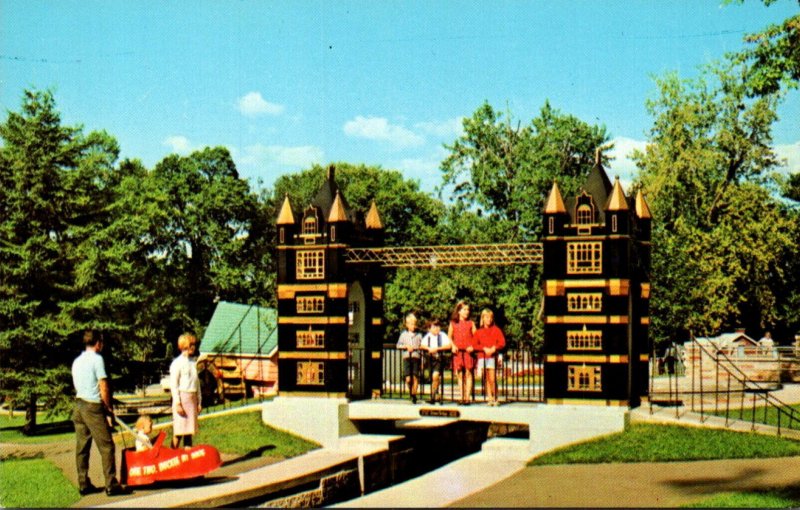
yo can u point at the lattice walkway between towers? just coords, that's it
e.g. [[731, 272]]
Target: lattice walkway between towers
[[453, 255]]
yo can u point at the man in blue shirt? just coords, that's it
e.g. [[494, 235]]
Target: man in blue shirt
[[93, 416]]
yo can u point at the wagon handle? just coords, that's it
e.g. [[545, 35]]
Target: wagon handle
[[126, 428]]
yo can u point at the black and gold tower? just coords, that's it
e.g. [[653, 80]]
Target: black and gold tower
[[329, 311], [596, 250]]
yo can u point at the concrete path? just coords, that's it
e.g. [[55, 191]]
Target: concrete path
[[442, 486], [640, 485]]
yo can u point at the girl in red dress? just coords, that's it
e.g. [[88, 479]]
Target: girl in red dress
[[460, 332], [489, 339]]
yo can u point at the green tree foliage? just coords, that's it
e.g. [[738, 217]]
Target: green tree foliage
[[214, 239], [52, 176], [503, 171], [409, 215], [721, 240], [507, 170], [773, 57]]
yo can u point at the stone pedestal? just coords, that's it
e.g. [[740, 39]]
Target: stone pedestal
[[319, 419]]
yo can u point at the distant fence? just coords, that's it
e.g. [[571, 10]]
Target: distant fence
[[518, 372], [736, 384]]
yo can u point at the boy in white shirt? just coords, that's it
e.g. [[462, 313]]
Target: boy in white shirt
[[436, 343]]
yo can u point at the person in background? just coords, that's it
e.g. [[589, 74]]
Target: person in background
[[409, 343], [185, 388], [143, 427], [489, 339], [93, 416], [436, 344], [766, 345], [460, 332]]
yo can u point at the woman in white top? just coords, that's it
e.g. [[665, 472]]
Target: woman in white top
[[185, 388]]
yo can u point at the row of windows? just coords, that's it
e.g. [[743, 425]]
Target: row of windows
[[310, 339], [584, 301], [310, 304], [584, 340]]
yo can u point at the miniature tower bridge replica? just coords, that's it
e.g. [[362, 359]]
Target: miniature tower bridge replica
[[595, 254]]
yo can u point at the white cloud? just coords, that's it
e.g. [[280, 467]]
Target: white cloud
[[790, 153], [379, 128], [424, 168], [622, 165], [451, 128], [178, 144], [253, 104], [294, 157]]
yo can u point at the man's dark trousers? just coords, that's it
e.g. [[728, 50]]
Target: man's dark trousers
[[90, 423]]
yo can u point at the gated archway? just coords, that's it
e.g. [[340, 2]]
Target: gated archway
[[595, 257]]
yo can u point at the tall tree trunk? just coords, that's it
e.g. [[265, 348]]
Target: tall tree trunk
[[30, 416]]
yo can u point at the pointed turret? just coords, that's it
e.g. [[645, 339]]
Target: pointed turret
[[286, 217], [373, 221], [555, 212], [642, 209], [644, 219], [287, 227], [337, 213], [618, 217], [555, 203], [617, 200]]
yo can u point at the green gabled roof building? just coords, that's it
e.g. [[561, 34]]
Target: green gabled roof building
[[235, 328]]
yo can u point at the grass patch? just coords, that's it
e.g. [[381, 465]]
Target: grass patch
[[49, 429], [244, 433], [34, 483], [767, 415], [768, 499], [643, 442]]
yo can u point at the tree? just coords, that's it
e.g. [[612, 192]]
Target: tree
[[504, 173], [46, 191], [773, 57], [721, 241], [508, 171], [213, 239]]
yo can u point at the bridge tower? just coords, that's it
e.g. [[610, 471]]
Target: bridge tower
[[596, 250], [329, 314]]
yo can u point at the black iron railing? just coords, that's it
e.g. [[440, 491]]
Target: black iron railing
[[714, 385], [518, 376]]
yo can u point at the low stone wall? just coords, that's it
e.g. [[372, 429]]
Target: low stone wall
[[752, 364]]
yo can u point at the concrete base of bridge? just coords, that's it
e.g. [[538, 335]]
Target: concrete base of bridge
[[319, 419], [328, 420]]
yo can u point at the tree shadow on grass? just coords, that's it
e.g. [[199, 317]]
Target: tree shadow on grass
[[713, 485], [745, 481], [252, 454]]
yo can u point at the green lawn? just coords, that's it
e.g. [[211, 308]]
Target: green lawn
[[37, 482], [11, 429], [770, 499], [766, 415], [245, 433], [34, 483], [668, 443]]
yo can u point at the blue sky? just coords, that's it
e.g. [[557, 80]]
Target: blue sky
[[287, 84]]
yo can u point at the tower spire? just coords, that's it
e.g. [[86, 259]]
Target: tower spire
[[285, 217]]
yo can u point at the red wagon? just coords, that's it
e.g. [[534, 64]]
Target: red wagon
[[163, 463]]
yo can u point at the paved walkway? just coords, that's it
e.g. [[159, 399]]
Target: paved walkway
[[638, 485]]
